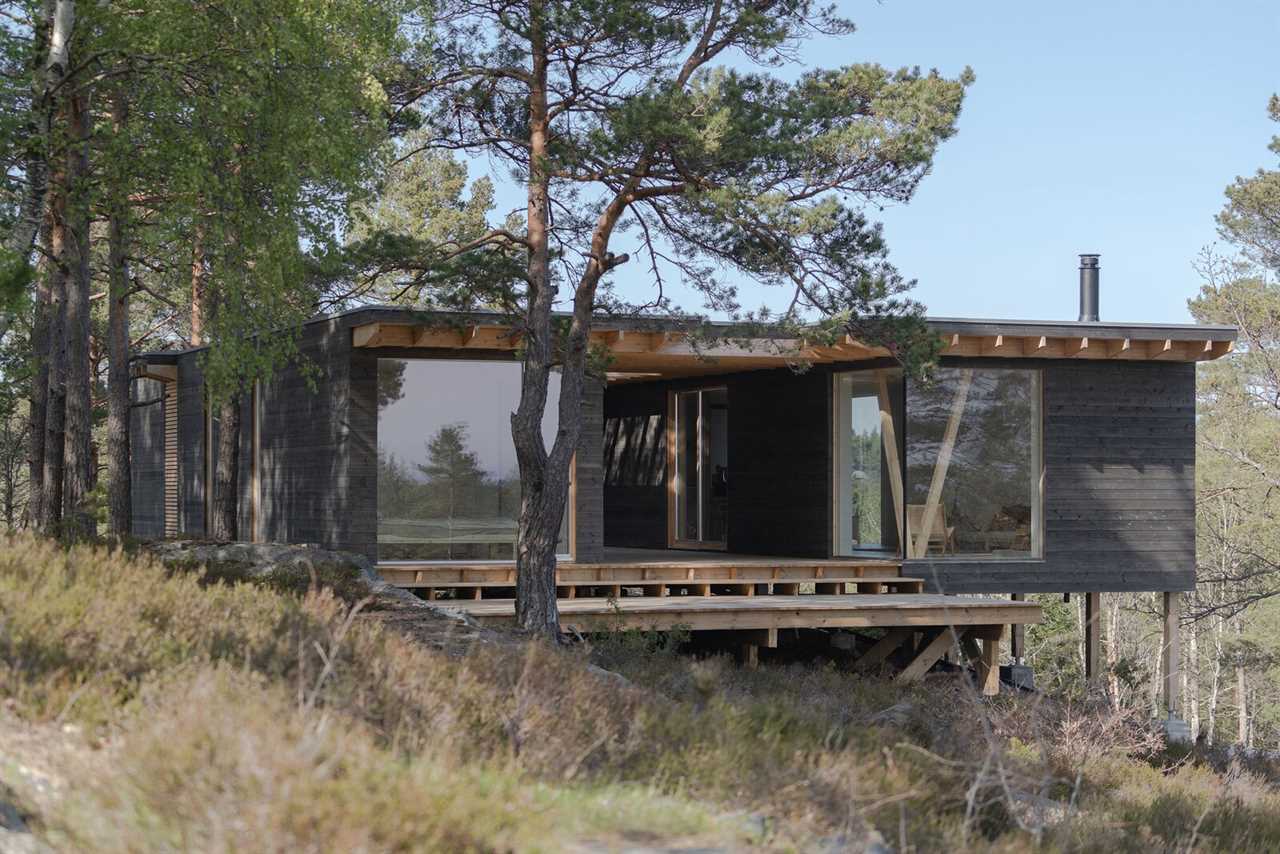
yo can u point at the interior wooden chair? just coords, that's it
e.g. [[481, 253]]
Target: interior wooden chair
[[943, 535]]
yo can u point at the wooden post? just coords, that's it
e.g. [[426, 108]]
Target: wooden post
[[1171, 654], [889, 438], [1017, 635], [750, 656], [1092, 636], [989, 666], [920, 538]]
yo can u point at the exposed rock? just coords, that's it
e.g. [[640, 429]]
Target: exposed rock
[[897, 715], [287, 567]]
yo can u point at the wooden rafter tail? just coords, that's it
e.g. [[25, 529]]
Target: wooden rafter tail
[[1077, 348], [1165, 349]]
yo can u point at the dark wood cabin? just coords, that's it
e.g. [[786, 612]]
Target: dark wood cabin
[[1040, 457]]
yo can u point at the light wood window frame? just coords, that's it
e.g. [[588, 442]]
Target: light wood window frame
[[673, 432]]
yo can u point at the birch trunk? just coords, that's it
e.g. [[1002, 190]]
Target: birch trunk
[[119, 468], [1215, 682], [1242, 701], [1191, 691], [78, 465]]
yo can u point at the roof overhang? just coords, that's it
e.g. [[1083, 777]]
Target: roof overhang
[[652, 352]]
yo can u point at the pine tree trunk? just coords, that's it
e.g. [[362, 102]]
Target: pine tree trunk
[[543, 490], [38, 396], [226, 477], [78, 465], [199, 283], [119, 467], [50, 510]]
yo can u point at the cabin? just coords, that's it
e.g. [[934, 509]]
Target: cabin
[[753, 487]]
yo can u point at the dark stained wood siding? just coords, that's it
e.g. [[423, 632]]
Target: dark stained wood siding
[[780, 463], [588, 509], [1119, 503], [191, 446], [146, 450]]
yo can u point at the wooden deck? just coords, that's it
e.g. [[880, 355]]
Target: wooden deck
[[660, 573], [927, 624]]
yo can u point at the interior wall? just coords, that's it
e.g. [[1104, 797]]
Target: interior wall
[[779, 462]]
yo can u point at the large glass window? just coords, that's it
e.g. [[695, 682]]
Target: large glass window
[[974, 467], [702, 467], [868, 473], [448, 482]]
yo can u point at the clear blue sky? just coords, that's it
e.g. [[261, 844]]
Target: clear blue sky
[[1094, 126]]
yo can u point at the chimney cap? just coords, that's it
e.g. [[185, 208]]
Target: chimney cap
[[1089, 259]]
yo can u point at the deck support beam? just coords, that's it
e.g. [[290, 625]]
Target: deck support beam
[[938, 644], [885, 647]]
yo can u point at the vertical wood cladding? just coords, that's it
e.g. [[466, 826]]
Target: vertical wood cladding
[[588, 506], [191, 446], [1119, 495], [147, 447], [317, 437]]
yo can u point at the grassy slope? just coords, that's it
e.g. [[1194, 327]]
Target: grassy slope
[[232, 717]]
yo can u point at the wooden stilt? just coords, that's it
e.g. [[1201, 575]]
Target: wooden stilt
[[750, 656], [1017, 635], [1092, 636], [989, 667]]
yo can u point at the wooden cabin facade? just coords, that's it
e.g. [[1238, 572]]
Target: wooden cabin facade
[[1044, 457]]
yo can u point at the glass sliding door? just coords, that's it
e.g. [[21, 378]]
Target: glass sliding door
[[867, 456], [975, 465], [448, 482], [700, 476]]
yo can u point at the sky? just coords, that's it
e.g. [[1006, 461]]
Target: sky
[[1107, 127]]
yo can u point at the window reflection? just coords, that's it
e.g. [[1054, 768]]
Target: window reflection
[[974, 464], [448, 481]]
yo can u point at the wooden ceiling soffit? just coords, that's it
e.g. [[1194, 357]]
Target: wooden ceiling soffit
[[1081, 347], [673, 354]]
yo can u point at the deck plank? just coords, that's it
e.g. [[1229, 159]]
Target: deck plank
[[700, 613]]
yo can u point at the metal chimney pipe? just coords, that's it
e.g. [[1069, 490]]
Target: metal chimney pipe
[[1089, 288]]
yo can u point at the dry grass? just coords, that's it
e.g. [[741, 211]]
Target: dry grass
[[233, 717]]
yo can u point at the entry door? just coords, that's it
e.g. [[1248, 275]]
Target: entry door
[[698, 486], [867, 456]]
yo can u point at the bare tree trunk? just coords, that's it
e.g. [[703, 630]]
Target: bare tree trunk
[[541, 484], [1113, 651], [1242, 701], [226, 476], [119, 468], [78, 466], [1215, 683], [1191, 691]]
